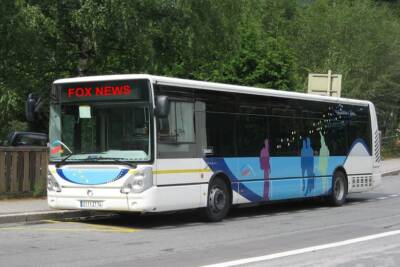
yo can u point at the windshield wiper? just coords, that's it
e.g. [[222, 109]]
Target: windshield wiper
[[64, 160], [114, 159]]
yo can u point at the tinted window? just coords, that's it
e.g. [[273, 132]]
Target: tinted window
[[283, 127], [221, 134], [359, 125], [217, 101], [252, 130], [238, 124]]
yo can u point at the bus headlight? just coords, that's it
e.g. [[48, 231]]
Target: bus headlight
[[139, 182], [52, 184]]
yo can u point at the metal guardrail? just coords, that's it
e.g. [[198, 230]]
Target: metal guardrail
[[23, 170]]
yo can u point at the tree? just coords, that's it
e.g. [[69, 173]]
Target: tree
[[357, 39]]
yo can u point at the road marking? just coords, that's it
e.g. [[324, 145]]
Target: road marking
[[106, 228], [394, 195], [89, 227], [41, 229], [382, 198], [303, 250], [50, 221]]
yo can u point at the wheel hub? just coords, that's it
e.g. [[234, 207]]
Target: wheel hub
[[339, 189], [217, 199]]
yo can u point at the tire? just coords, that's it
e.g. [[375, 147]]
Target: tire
[[218, 201], [339, 189]]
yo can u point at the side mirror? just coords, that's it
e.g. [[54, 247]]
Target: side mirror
[[162, 106], [30, 108]]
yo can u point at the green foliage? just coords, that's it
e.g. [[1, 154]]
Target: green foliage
[[263, 43], [40, 187], [9, 106], [262, 63], [391, 145], [355, 38]]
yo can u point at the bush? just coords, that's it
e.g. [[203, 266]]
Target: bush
[[39, 189], [390, 147]]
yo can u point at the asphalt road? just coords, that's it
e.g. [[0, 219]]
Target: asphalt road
[[299, 233]]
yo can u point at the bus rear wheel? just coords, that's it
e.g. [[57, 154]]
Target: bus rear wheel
[[218, 201], [339, 189]]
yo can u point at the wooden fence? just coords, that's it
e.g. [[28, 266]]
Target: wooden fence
[[23, 170]]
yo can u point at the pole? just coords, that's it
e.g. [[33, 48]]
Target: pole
[[329, 82]]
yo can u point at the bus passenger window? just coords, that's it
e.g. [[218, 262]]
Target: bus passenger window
[[179, 126]]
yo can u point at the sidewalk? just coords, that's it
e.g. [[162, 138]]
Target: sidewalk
[[35, 209], [390, 167], [15, 206]]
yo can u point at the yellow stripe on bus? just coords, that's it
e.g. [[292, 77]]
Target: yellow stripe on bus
[[180, 171], [133, 171]]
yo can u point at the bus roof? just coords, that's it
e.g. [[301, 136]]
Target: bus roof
[[214, 86]]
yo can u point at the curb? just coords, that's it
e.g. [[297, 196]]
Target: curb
[[43, 215], [392, 172]]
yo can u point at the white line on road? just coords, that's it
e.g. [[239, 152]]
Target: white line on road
[[394, 195], [382, 198], [303, 250]]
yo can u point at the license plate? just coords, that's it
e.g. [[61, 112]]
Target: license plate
[[91, 204]]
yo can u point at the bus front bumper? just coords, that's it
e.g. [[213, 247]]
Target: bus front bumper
[[106, 199], [155, 199]]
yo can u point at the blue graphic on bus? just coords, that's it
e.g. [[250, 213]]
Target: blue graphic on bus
[[307, 165], [266, 167], [285, 176], [91, 176], [275, 178]]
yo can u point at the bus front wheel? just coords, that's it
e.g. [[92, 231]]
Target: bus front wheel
[[339, 189], [218, 201]]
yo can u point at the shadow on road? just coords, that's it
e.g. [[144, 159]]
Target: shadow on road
[[193, 217]]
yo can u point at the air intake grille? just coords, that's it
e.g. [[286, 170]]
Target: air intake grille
[[361, 181]]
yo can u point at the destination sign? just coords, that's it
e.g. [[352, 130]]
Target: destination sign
[[104, 90], [99, 91]]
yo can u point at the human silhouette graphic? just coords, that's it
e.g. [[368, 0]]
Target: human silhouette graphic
[[309, 164], [303, 162], [323, 162], [265, 165]]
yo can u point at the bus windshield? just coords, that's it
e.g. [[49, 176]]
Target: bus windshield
[[89, 131]]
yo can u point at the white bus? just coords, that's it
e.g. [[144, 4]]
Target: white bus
[[146, 143]]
